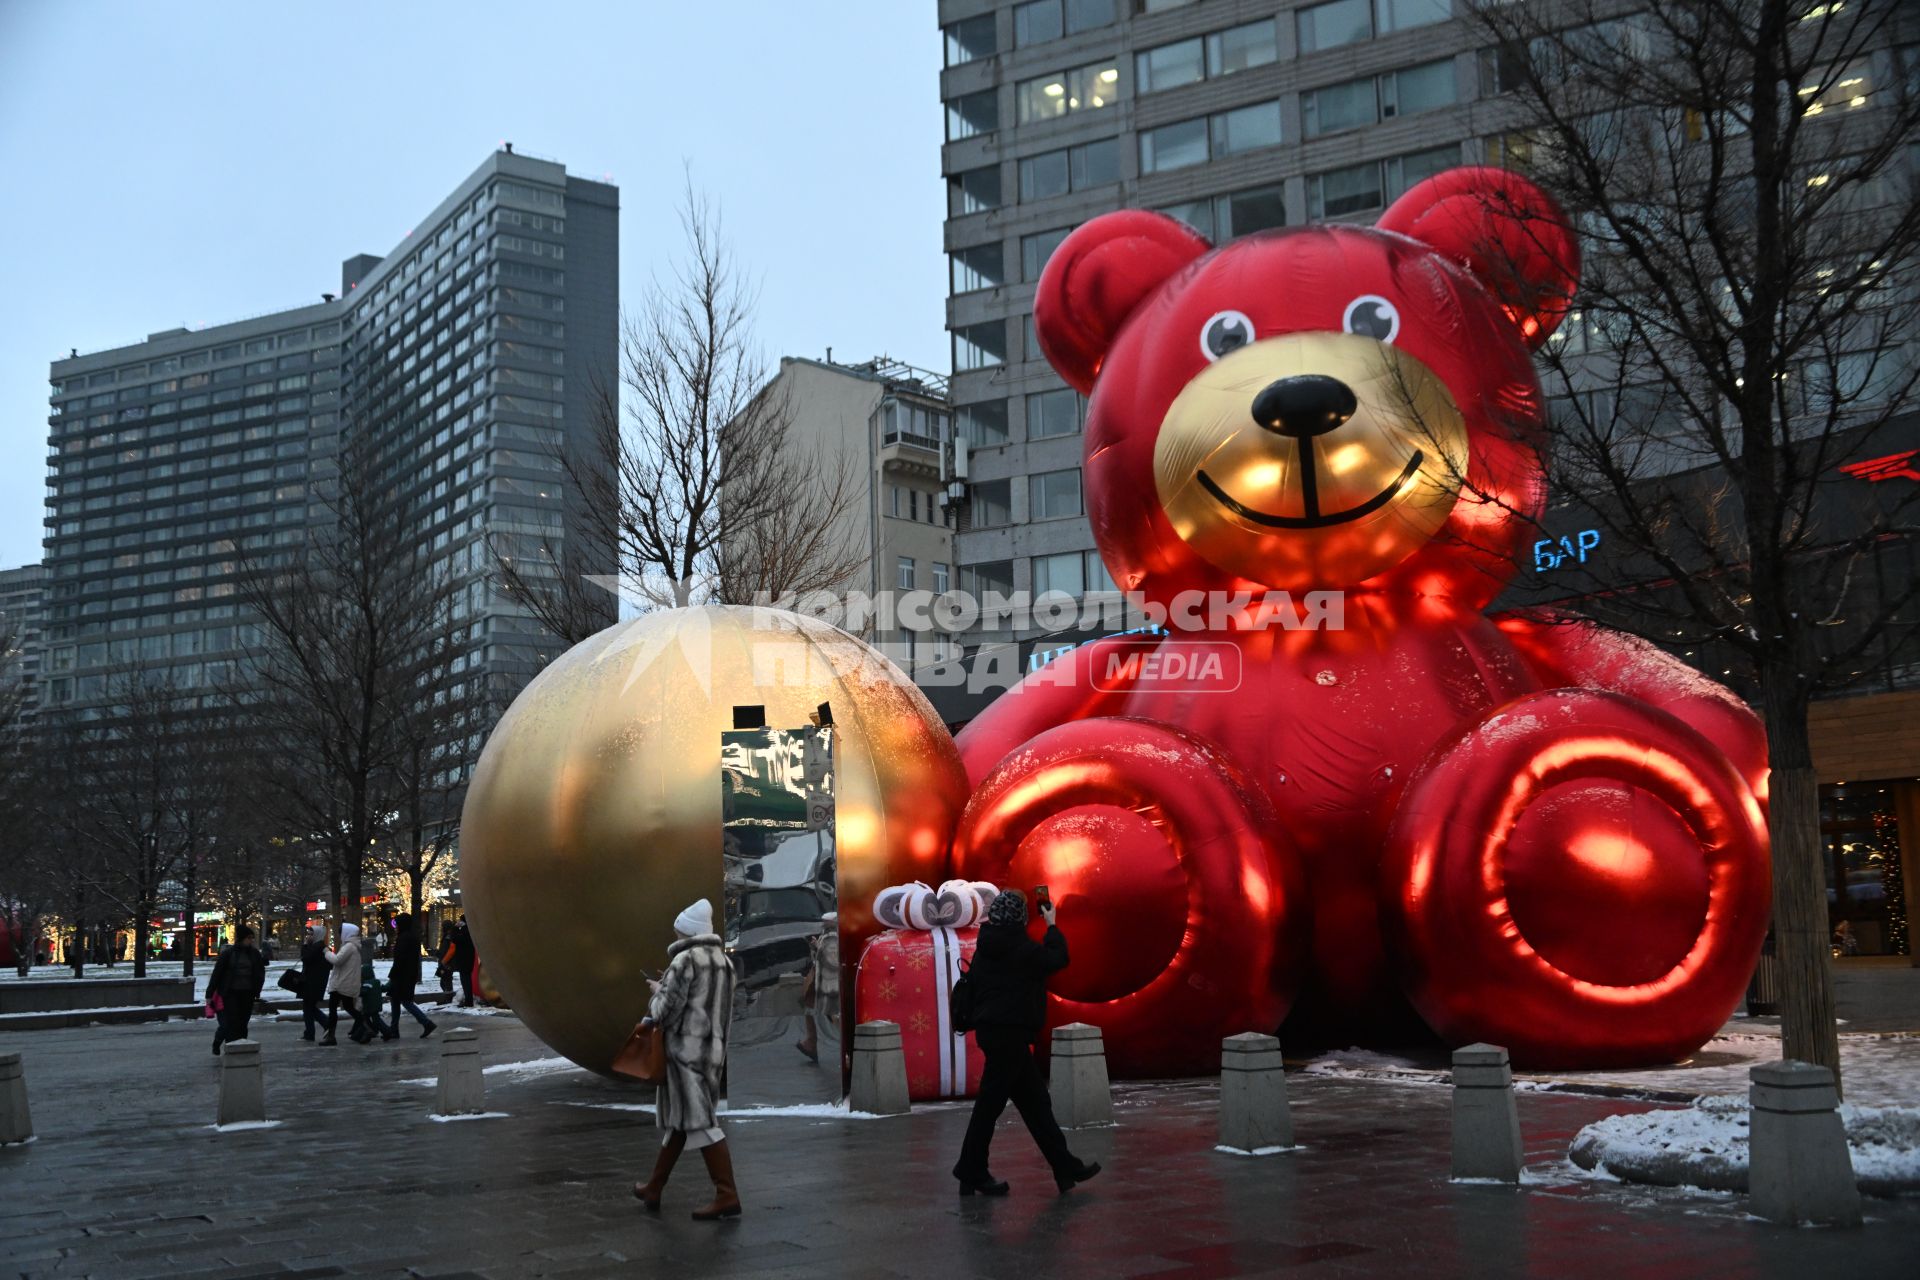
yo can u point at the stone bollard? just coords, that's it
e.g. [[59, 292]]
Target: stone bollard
[[462, 1088], [16, 1125], [879, 1070], [1253, 1094], [1078, 1078], [1798, 1167], [243, 1094], [1486, 1123]]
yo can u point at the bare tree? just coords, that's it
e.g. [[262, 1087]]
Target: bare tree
[[1740, 352], [689, 484], [347, 625]]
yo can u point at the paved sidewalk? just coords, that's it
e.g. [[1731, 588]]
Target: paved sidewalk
[[128, 1179]]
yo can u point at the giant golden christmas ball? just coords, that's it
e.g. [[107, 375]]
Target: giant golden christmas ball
[[594, 814]]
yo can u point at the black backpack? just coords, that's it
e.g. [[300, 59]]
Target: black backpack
[[960, 1004]]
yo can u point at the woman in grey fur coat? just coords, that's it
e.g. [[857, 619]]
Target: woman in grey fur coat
[[693, 1001]]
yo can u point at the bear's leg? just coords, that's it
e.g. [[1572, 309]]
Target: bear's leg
[[1179, 895], [1581, 878]]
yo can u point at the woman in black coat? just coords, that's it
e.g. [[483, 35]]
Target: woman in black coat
[[314, 970], [1008, 978], [405, 977]]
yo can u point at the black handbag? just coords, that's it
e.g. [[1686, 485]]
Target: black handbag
[[960, 1012], [290, 981]]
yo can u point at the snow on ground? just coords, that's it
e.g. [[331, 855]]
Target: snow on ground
[[1878, 1070], [525, 1070], [800, 1111], [471, 1115], [240, 1126], [1705, 1145]]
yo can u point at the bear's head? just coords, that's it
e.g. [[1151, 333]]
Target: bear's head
[[1319, 407]]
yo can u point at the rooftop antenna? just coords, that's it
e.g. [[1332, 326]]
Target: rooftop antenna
[[829, 355], [508, 146]]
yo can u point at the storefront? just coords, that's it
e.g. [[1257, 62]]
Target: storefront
[[1867, 753]]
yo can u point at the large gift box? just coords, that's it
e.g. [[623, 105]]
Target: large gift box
[[907, 972]]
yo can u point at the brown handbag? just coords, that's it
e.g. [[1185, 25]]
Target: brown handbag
[[643, 1058]]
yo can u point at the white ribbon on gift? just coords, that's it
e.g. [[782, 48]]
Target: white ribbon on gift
[[956, 904]]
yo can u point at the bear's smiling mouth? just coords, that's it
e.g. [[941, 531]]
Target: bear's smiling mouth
[[1310, 498]]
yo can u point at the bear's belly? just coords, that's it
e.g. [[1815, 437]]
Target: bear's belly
[[1331, 724]]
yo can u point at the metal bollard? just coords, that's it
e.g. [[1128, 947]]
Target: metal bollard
[[1253, 1094], [16, 1125], [462, 1088], [1077, 1080], [1798, 1166], [243, 1094], [879, 1070], [1486, 1123]]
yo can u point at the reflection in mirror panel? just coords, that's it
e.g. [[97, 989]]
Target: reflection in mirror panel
[[781, 927]]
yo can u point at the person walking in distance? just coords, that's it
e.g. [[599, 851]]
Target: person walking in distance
[[237, 977], [343, 985], [405, 976], [1009, 979], [691, 1004], [314, 970], [459, 957]]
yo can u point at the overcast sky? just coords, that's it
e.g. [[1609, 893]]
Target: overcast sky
[[186, 163]]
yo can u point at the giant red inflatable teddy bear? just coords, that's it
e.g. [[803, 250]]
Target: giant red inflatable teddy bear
[[1549, 837]]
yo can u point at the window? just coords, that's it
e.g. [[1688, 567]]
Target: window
[[1404, 15], [973, 191], [1093, 164], [972, 114], [1082, 89], [1245, 128], [992, 503], [1239, 213], [988, 576], [1354, 103], [1170, 66], [970, 39], [1066, 572], [980, 346], [1369, 186], [903, 573], [1836, 90], [1054, 495], [984, 424], [1173, 146], [1328, 26], [1036, 249], [1226, 133], [980, 266], [1044, 20], [1053, 413], [1242, 48], [940, 578]]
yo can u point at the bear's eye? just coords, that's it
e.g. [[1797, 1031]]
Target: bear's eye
[[1226, 332], [1372, 316]]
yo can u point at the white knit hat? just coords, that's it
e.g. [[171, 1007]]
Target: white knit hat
[[695, 920]]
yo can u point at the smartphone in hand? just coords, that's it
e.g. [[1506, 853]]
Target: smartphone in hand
[[1041, 898]]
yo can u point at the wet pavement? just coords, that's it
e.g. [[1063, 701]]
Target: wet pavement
[[127, 1178]]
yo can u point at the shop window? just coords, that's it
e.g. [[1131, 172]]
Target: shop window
[[1866, 878]]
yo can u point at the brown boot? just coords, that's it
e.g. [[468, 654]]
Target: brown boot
[[726, 1200], [648, 1193]]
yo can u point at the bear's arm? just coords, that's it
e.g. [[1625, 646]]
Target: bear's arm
[[1567, 653]]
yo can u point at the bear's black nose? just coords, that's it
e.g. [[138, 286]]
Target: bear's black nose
[[1305, 405]]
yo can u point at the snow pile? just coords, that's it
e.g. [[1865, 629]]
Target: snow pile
[[1705, 1146]]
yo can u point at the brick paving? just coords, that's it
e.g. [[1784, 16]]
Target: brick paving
[[128, 1179]]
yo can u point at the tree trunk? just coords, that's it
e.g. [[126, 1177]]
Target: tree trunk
[[416, 890], [1800, 929], [191, 916], [77, 957], [142, 923]]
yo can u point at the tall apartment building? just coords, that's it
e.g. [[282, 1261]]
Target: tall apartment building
[[886, 425], [1232, 115], [22, 601], [459, 361]]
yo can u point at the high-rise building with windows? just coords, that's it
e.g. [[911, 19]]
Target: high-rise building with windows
[[1232, 115], [461, 361], [22, 599]]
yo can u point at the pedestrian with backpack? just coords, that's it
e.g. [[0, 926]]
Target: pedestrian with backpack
[[1003, 996], [237, 977]]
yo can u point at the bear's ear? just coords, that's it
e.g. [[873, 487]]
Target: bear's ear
[[1507, 232], [1095, 279]]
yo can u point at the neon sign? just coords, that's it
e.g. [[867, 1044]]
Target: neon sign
[[1551, 553]]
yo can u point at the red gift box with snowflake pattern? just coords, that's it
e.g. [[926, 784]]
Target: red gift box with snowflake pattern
[[906, 976]]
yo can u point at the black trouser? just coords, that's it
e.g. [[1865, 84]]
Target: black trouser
[[311, 1012], [235, 1009], [466, 981], [334, 1002], [403, 998], [1012, 1074]]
